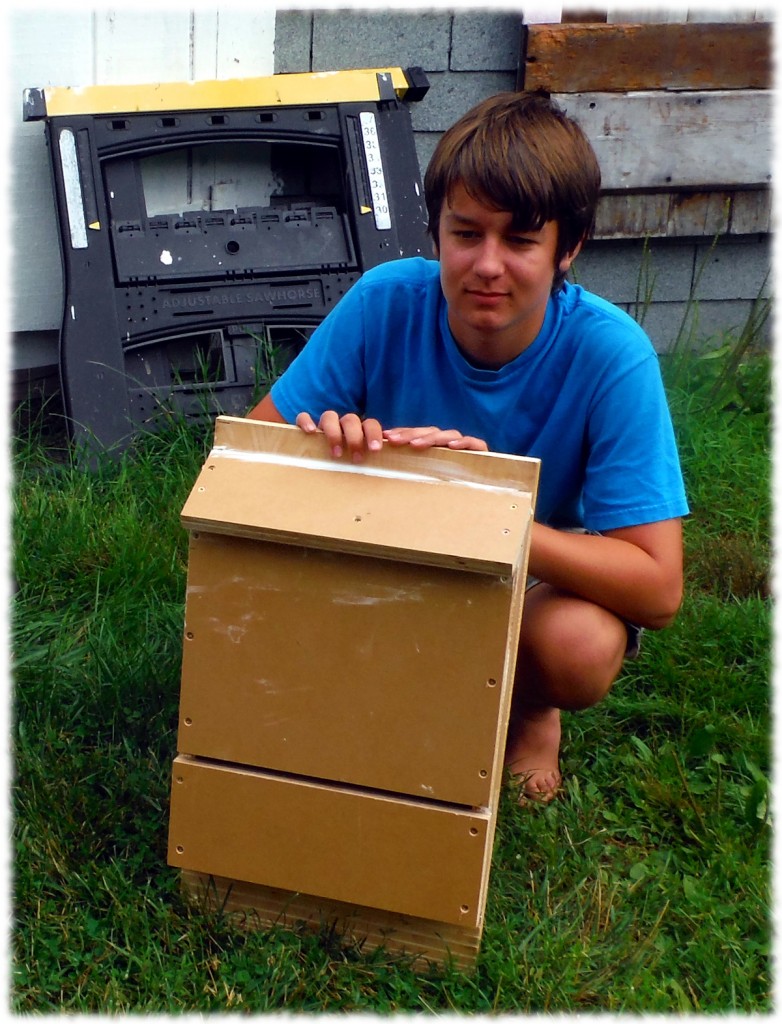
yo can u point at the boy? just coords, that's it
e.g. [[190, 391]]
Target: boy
[[487, 347]]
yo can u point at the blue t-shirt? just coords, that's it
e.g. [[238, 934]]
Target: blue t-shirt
[[586, 397]]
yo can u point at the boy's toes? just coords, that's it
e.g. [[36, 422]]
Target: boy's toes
[[536, 784]]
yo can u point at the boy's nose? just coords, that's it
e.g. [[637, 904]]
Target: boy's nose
[[488, 258]]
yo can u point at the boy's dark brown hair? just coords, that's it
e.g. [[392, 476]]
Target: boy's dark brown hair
[[519, 152]]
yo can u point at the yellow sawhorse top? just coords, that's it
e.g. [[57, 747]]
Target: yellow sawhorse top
[[307, 88]]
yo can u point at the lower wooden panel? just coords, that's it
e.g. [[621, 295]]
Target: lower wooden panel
[[357, 846], [252, 905]]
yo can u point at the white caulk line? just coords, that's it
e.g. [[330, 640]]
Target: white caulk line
[[223, 451]]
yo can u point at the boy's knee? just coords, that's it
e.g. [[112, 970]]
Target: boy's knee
[[579, 678], [587, 684], [597, 656], [575, 650]]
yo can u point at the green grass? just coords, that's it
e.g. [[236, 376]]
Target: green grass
[[645, 888]]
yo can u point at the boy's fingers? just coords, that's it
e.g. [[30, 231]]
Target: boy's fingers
[[470, 444], [345, 432], [434, 437], [306, 423], [355, 438], [331, 426], [373, 434], [406, 435]]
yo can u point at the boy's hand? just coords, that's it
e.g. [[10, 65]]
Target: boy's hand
[[357, 436], [434, 437], [345, 432]]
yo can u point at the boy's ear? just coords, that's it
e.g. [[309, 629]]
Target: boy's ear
[[567, 259], [435, 249]]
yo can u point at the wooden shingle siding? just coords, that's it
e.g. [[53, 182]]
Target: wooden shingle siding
[[683, 215]]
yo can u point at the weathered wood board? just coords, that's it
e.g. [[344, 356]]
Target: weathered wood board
[[410, 857], [629, 58], [750, 212], [679, 112], [665, 140], [683, 214]]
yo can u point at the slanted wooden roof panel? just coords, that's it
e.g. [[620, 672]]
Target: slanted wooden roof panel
[[467, 510]]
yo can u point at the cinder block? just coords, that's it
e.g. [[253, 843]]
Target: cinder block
[[734, 269], [292, 41], [708, 324], [622, 272], [720, 320], [353, 39], [485, 41], [425, 143], [662, 321], [451, 95]]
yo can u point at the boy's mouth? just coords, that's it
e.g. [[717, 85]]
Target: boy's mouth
[[485, 296]]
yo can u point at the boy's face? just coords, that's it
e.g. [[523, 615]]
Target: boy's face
[[496, 280]]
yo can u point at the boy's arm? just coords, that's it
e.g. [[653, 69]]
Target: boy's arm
[[266, 410], [636, 572]]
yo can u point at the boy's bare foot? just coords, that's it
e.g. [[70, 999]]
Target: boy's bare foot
[[532, 754]]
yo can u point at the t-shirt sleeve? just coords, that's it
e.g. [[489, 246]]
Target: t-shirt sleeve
[[633, 475], [329, 371]]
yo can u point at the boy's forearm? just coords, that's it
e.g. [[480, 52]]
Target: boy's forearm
[[640, 583]]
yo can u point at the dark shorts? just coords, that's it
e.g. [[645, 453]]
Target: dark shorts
[[634, 633]]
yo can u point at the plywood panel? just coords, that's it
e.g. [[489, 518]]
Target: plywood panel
[[426, 860], [628, 58], [298, 494], [45, 50], [251, 906], [232, 43], [130, 48], [657, 140], [359, 670]]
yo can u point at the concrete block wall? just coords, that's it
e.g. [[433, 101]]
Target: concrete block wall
[[467, 55], [693, 289], [471, 54]]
